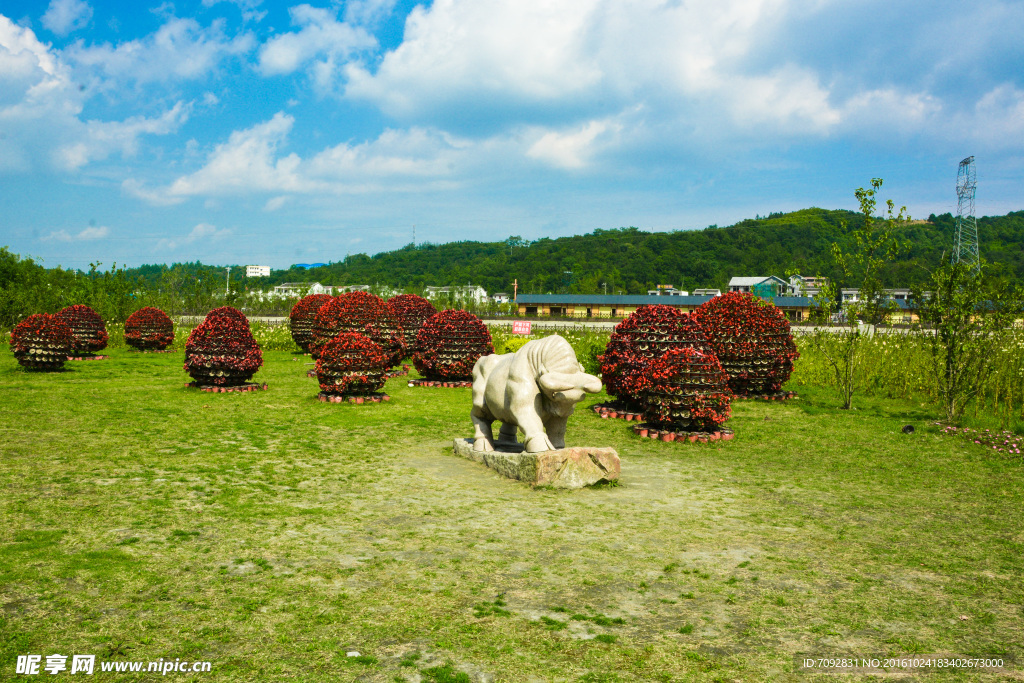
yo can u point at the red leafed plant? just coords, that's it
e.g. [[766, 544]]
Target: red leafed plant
[[449, 345], [645, 335], [41, 342], [301, 318], [752, 340], [351, 364], [362, 313], [685, 390], [149, 329], [221, 350], [87, 328], [411, 312]]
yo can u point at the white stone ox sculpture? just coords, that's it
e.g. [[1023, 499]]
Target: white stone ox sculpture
[[534, 389]]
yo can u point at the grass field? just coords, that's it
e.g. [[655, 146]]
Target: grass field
[[271, 535]]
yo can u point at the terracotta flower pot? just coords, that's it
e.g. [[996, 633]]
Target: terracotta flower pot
[[642, 432]]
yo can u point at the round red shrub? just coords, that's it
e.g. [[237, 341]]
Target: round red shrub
[[87, 329], [41, 342], [301, 318], [149, 329], [645, 335], [351, 364], [449, 345], [362, 313], [685, 390], [221, 350], [752, 340], [410, 311]]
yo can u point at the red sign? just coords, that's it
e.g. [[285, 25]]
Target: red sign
[[521, 326]]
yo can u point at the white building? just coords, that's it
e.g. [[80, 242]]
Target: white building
[[667, 290], [707, 292], [501, 298], [464, 293], [257, 271], [294, 289]]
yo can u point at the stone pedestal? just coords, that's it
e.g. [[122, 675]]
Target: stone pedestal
[[565, 468]]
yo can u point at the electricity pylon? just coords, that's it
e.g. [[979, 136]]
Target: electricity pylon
[[965, 243]]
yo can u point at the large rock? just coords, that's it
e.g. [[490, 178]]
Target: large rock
[[563, 468]]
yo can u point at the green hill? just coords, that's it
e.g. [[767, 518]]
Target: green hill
[[632, 261]]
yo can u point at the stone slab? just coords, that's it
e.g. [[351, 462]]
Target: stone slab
[[565, 468]]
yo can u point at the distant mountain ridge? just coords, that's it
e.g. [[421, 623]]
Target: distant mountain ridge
[[631, 261]]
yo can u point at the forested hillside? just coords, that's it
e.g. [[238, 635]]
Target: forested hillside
[[632, 261], [626, 260]]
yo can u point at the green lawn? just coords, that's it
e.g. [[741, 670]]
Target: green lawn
[[271, 534]]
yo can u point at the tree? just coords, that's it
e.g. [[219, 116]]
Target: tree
[[874, 245], [967, 318]]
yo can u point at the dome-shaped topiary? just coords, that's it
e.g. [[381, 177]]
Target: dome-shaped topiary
[[351, 364], [752, 340], [410, 311], [149, 329], [41, 342], [449, 345], [645, 335], [87, 329], [362, 313], [301, 318], [221, 350], [685, 390]]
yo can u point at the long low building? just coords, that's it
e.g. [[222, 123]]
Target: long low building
[[796, 308]]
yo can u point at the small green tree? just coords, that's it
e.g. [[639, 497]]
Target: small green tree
[[841, 326], [967, 317]]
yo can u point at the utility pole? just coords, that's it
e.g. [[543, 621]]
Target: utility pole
[[413, 235], [227, 285]]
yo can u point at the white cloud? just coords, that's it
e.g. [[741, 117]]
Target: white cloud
[[368, 12], [572, 149], [202, 232], [253, 161], [248, 8], [322, 39], [41, 106], [102, 138], [90, 233], [64, 16], [180, 49]]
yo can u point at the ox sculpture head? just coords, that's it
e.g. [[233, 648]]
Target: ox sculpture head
[[564, 390]]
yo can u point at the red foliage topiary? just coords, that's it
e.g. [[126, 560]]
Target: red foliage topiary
[[449, 345], [411, 312], [645, 335], [301, 318], [42, 342], [351, 364], [752, 340], [221, 350], [87, 329], [362, 313], [685, 389], [149, 329]]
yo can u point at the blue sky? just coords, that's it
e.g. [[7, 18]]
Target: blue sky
[[245, 131]]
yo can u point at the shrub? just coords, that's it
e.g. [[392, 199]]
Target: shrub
[[645, 335], [351, 363], [362, 313], [301, 318], [148, 329], [449, 345], [88, 332], [410, 311], [752, 341], [221, 350], [685, 389], [42, 342]]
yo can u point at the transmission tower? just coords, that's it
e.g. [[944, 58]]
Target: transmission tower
[[965, 243]]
